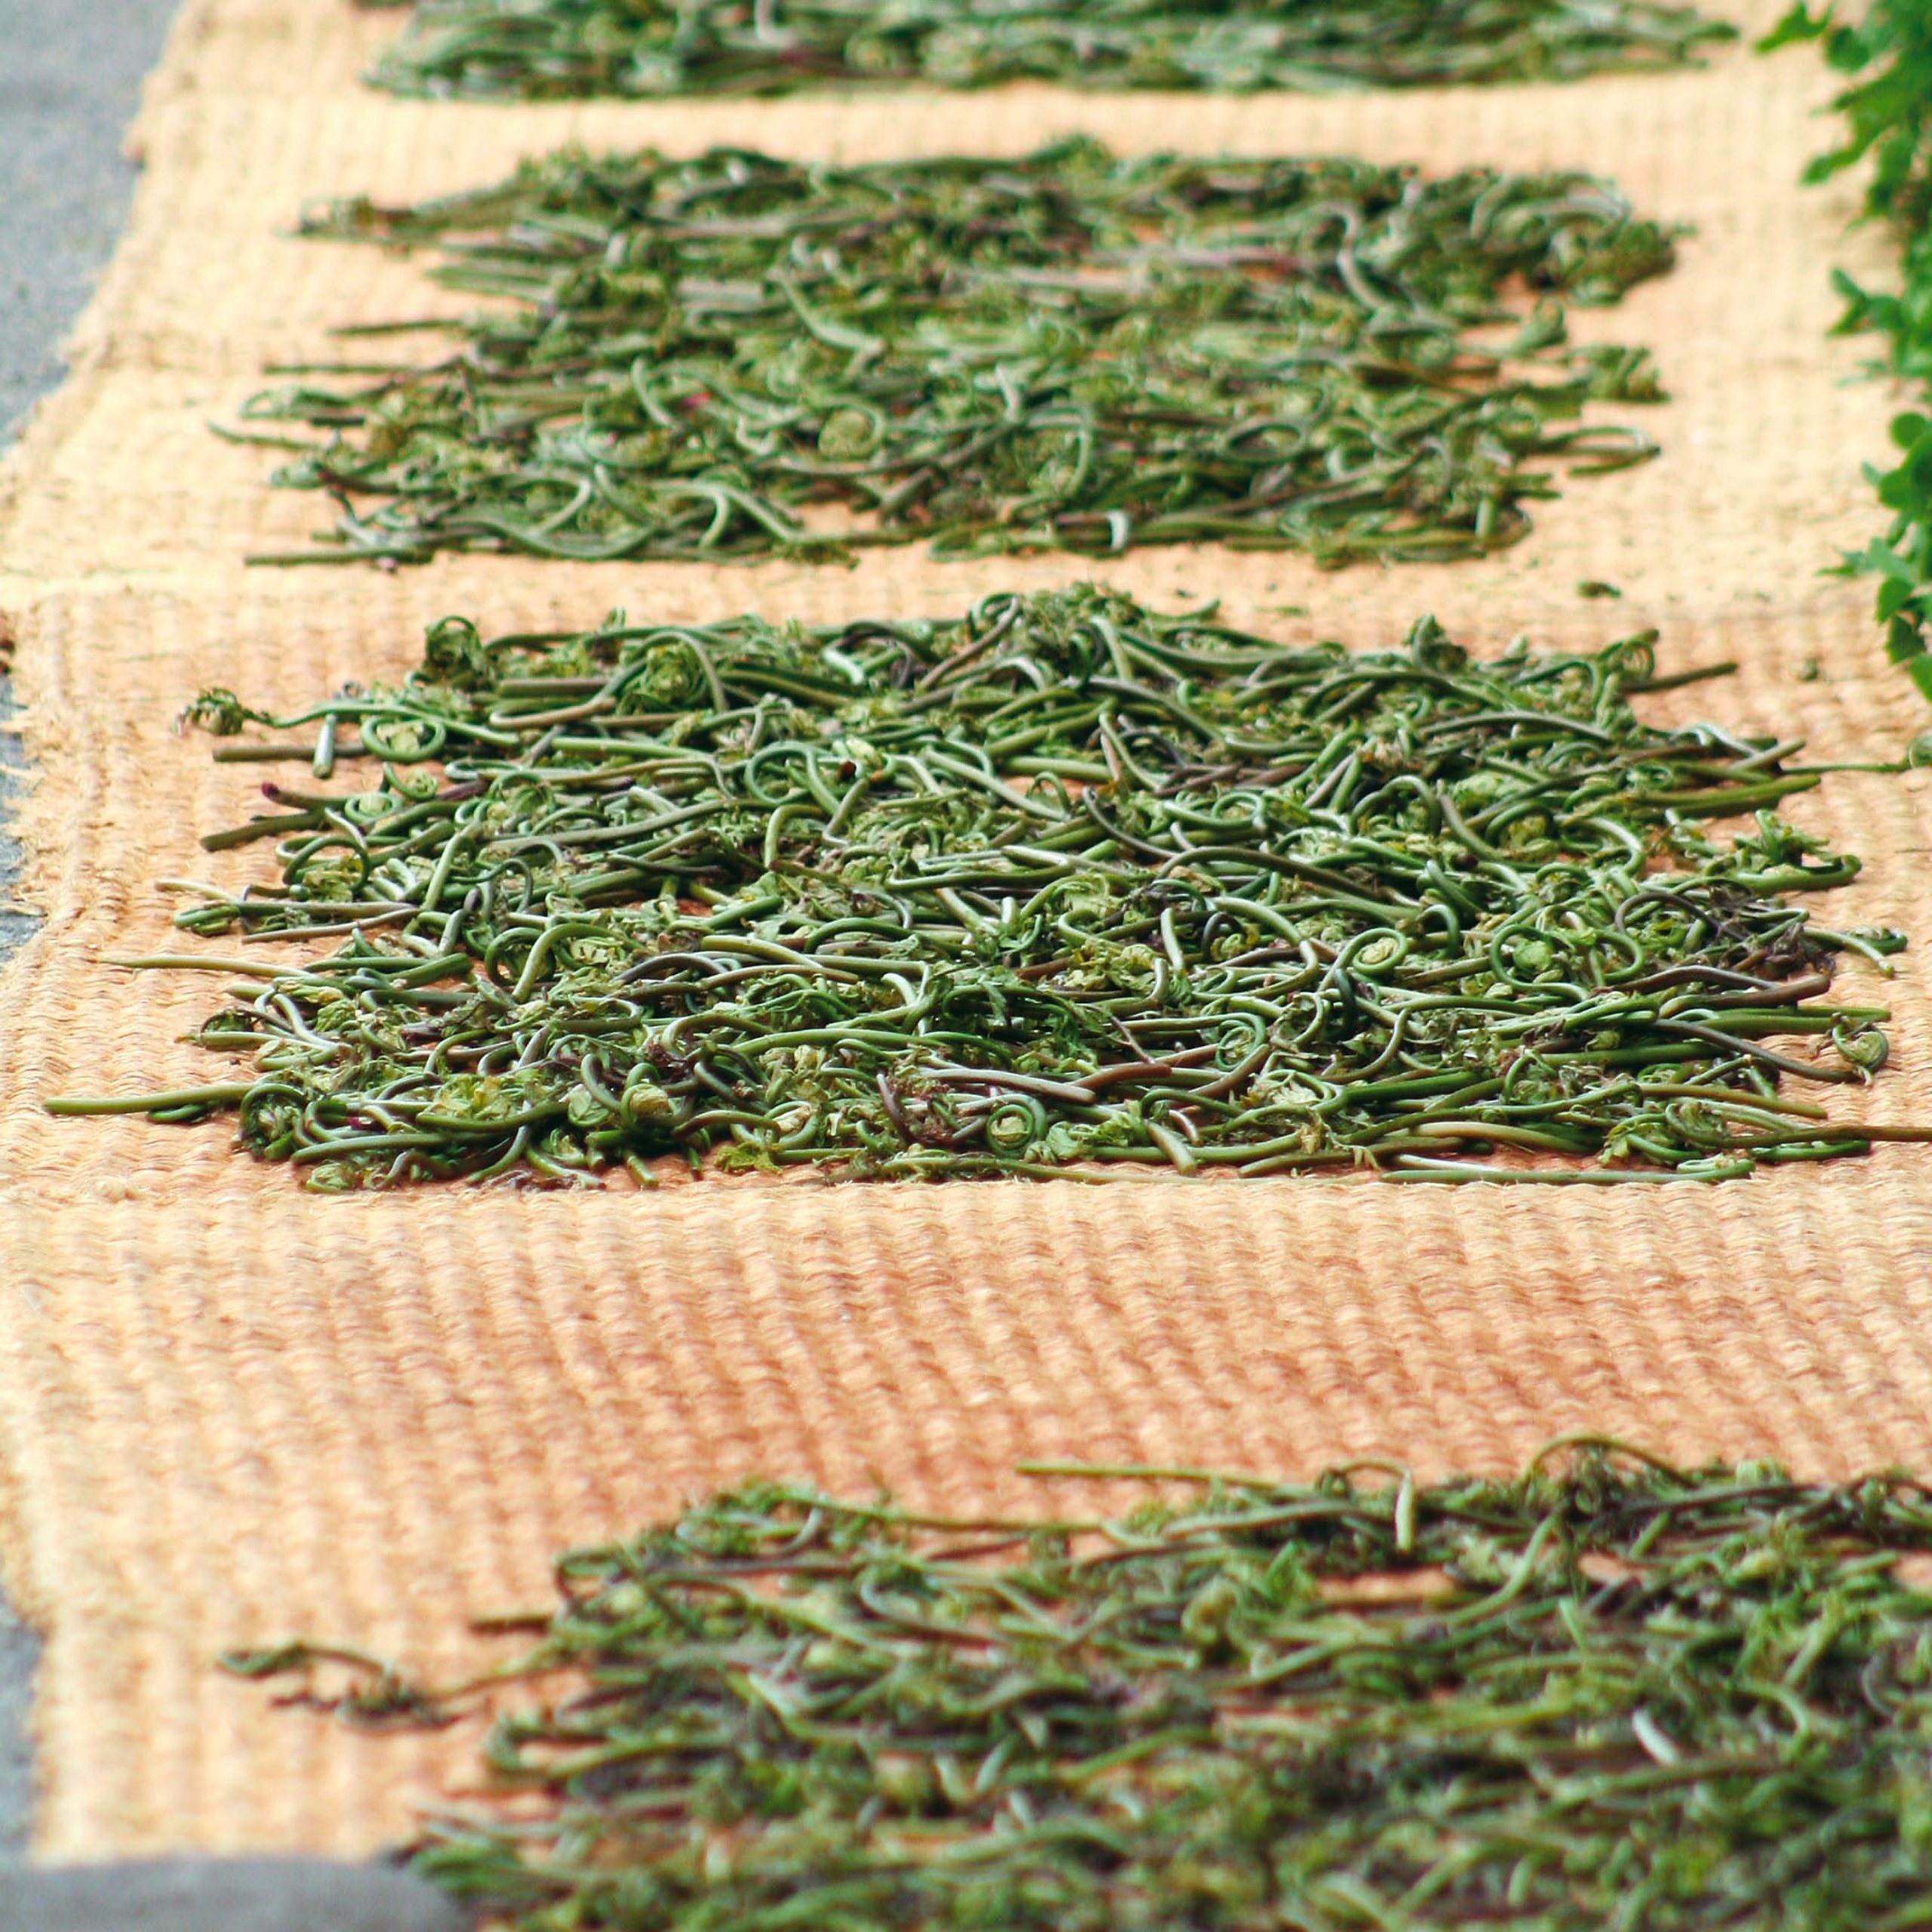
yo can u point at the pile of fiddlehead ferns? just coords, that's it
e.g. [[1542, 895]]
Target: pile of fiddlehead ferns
[[517, 50], [738, 356], [1065, 882], [1647, 1697]]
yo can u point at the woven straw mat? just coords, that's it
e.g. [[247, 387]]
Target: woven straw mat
[[232, 1412]]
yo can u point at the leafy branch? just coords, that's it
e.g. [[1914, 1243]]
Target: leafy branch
[[1888, 117]]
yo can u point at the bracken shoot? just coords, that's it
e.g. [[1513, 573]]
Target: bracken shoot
[[1064, 886], [1628, 1697], [650, 48], [737, 356]]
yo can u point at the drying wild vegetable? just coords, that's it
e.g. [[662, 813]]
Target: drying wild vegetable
[[1065, 882], [1888, 113], [1070, 351], [1616, 1697], [655, 48]]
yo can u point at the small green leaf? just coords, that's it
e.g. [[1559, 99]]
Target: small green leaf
[[1879, 559], [1798, 25]]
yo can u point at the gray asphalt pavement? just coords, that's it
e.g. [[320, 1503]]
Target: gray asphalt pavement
[[70, 78], [17, 1649], [244, 1895], [69, 83]]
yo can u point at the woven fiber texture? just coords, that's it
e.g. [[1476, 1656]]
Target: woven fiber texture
[[231, 1412]]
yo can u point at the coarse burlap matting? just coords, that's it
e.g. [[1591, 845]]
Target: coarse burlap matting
[[231, 1412]]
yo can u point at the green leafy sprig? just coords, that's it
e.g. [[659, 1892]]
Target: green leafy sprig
[[1623, 1695], [1066, 886], [1888, 116], [738, 356]]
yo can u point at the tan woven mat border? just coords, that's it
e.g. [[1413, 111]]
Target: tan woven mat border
[[230, 1411]]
